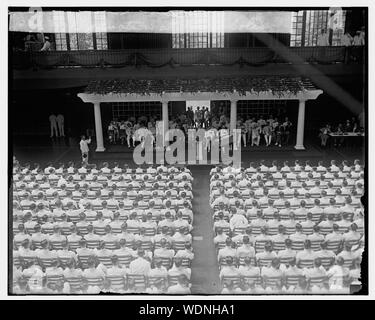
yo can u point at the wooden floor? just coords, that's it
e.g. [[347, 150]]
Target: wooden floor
[[205, 273]]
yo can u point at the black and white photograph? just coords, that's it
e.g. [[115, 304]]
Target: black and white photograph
[[187, 151]]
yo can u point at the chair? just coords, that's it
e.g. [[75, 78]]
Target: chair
[[99, 230], [16, 261], [111, 245], [186, 262], [147, 245], [306, 263], [315, 244], [317, 281], [263, 262], [117, 281], [259, 245], [134, 230], [256, 279], [293, 280], [152, 280], [150, 232], [92, 244], [273, 282], [278, 245], [298, 245], [327, 261], [172, 280], [241, 261], [57, 245], [95, 281], [256, 230], [223, 262], [220, 245], [139, 280], [166, 262], [105, 260], [348, 262], [82, 260], [46, 262], [124, 260], [239, 230], [54, 278]]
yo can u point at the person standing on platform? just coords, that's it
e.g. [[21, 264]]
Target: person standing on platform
[[244, 133], [346, 39], [60, 124], [287, 129], [84, 146], [207, 116], [358, 39], [46, 45], [324, 135], [196, 117], [53, 123]]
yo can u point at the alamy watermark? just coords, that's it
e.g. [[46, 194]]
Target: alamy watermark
[[169, 146]]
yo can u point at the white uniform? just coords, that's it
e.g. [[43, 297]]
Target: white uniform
[[84, 146], [140, 266]]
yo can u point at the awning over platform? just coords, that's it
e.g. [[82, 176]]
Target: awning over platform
[[218, 88]]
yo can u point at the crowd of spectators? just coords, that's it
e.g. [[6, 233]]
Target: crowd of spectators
[[288, 229]]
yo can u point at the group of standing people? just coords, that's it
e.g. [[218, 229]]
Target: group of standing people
[[57, 125], [357, 40], [273, 131]]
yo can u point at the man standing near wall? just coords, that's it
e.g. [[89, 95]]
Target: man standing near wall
[[60, 124], [53, 123]]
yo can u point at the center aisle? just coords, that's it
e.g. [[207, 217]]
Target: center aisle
[[204, 268]]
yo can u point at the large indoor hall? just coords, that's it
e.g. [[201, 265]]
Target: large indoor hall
[[176, 152]]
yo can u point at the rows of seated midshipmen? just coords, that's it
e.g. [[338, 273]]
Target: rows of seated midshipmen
[[104, 238], [323, 232]]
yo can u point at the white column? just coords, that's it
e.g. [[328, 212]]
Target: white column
[[165, 117], [233, 115], [300, 126], [98, 128]]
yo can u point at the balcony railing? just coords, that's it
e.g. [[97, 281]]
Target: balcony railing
[[173, 57]]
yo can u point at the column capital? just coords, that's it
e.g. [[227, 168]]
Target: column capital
[[233, 100], [303, 99], [164, 101]]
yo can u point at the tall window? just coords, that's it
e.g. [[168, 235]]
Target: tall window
[[70, 26], [306, 26], [315, 22], [78, 21], [100, 28], [197, 29]]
